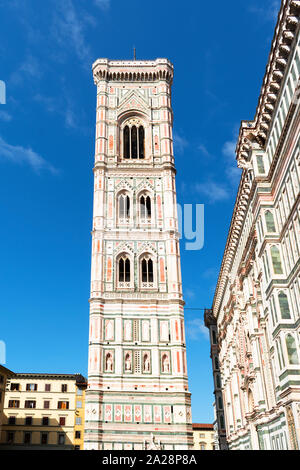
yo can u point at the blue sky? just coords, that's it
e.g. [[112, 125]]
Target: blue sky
[[219, 51]]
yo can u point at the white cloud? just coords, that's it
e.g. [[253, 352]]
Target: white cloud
[[196, 329], [215, 192], [204, 150], [69, 30], [103, 4], [180, 143], [21, 155], [269, 11], [29, 69], [232, 171], [4, 116]]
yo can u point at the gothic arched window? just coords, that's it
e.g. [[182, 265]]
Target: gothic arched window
[[292, 350], [126, 142], [147, 271], [124, 208], [134, 141], [270, 223], [124, 271], [276, 260], [145, 208], [284, 306]]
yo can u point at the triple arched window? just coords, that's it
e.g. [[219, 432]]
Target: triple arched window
[[134, 142]]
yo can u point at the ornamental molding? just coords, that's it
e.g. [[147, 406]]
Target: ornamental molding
[[147, 248], [124, 185], [255, 133], [131, 101], [133, 70], [124, 248], [145, 185]]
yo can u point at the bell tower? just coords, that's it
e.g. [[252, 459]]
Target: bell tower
[[137, 396]]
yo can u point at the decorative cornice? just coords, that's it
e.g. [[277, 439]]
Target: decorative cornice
[[253, 134], [133, 70], [257, 131]]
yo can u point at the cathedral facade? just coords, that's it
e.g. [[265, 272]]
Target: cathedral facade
[[255, 320], [137, 395]]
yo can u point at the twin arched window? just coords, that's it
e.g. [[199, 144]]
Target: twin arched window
[[124, 276], [145, 208], [124, 207], [134, 142], [124, 270], [125, 212], [147, 270]]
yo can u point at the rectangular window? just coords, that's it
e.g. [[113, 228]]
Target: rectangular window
[[27, 437], [79, 404], [61, 439], [15, 387], [46, 404], [47, 387], [12, 420], [31, 387], [62, 421], [14, 404], [77, 434], [64, 387], [78, 421], [10, 437], [28, 421], [63, 405], [30, 404], [44, 438], [45, 421]]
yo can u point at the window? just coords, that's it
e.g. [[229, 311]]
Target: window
[[31, 387], [214, 337], [284, 306], [30, 404], [12, 420], [27, 437], [1, 379], [216, 363], [292, 350], [277, 266], [124, 208], [62, 421], [134, 142], [79, 392], [61, 439], [45, 421], [15, 387], [28, 421], [64, 387], [77, 434], [10, 436], [44, 438], [145, 208], [147, 271], [47, 387], [220, 403], [124, 270], [260, 164], [63, 405], [14, 404], [270, 222], [218, 381], [78, 421], [202, 446], [79, 404]]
